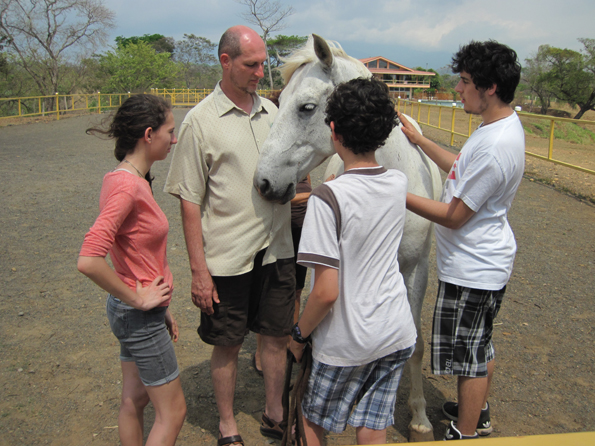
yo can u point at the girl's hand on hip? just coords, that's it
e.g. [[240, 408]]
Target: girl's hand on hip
[[153, 295]]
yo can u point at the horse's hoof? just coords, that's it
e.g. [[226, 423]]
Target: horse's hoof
[[416, 437]]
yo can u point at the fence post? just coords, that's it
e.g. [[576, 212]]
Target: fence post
[[99, 102], [418, 110], [470, 118], [57, 107], [19, 107], [452, 126], [550, 152], [440, 117]]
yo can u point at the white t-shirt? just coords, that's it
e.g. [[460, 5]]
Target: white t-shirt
[[485, 176], [355, 224]]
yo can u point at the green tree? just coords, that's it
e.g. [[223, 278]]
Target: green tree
[[279, 48], [282, 46], [435, 81], [448, 80], [14, 80], [571, 76], [196, 56], [46, 38], [136, 67], [4, 40], [159, 42], [534, 75]]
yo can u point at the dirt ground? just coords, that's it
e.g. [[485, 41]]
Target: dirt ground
[[59, 374]]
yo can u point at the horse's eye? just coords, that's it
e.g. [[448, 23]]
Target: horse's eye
[[307, 108]]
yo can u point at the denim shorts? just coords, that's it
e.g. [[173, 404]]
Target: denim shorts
[[144, 340], [372, 388]]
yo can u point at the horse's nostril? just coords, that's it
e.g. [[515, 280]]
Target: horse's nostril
[[264, 186], [289, 190]]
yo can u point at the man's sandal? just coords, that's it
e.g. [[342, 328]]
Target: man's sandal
[[228, 441], [270, 428]]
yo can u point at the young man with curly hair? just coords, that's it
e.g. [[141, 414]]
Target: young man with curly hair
[[475, 246], [357, 313]]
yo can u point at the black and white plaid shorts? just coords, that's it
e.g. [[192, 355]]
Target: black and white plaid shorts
[[462, 330]]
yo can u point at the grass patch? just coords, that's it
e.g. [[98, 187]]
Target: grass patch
[[540, 127], [565, 131], [578, 134]]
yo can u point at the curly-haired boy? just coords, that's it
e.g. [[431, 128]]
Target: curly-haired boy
[[357, 313]]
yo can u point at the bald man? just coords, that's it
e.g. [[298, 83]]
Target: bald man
[[239, 245]]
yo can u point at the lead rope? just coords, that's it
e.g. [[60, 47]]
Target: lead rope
[[292, 400]]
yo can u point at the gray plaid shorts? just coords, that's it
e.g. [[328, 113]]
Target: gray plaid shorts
[[462, 330], [333, 391]]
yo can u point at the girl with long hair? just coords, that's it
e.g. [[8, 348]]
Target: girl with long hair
[[133, 230]]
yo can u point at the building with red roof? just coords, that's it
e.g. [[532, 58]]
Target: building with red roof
[[401, 80]]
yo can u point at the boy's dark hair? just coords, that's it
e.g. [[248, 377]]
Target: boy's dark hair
[[363, 113], [490, 63]]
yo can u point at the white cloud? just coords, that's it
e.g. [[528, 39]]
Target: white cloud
[[405, 28]]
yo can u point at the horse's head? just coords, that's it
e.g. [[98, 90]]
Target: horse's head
[[299, 139]]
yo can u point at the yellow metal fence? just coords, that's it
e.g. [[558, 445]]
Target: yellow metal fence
[[189, 98], [452, 120], [571, 142], [59, 104], [62, 104]]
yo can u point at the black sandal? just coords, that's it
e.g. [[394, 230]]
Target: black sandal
[[270, 428], [228, 441]]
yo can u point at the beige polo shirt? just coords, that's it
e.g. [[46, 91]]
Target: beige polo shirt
[[213, 165]]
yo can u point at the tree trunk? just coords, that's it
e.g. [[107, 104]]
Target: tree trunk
[[586, 106], [582, 111], [269, 65], [545, 104]]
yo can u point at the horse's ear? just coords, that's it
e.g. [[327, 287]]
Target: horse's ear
[[323, 51]]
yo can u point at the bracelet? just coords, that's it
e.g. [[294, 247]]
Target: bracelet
[[296, 334]]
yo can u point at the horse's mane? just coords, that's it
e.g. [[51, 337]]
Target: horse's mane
[[306, 54]]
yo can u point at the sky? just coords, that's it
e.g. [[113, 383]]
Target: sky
[[422, 33]]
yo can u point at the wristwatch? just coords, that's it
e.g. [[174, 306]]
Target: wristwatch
[[296, 334]]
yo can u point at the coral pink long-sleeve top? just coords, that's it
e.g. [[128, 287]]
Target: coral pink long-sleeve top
[[132, 228]]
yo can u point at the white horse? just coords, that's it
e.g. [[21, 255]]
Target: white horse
[[299, 141]]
